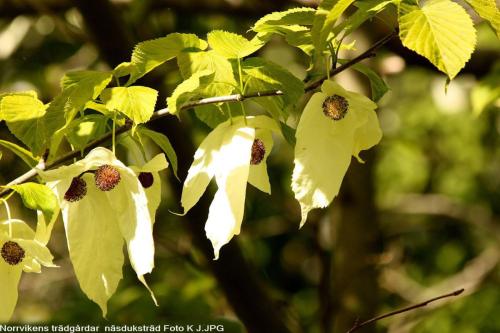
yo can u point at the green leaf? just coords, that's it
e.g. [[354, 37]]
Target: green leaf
[[38, 197], [441, 31], [366, 10], [78, 88], [152, 53], [326, 17], [266, 75], [212, 115], [137, 102], [28, 119], [377, 84], [488, 10], [164, 143], [24, 154], [275, 76], [189, 89], [232, 45], [275, 22], [224, 82], [85, 129]]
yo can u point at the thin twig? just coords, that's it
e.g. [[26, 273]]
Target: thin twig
[[31, 174], [409, 308], [369, 53]]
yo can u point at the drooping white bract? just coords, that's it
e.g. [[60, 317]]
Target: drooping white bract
[[225, 153], [35, 255], [98, 225], [324, 146]]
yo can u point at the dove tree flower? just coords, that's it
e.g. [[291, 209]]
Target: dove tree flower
[[235, 153], [20, 252], [104, 205], [336, 124]]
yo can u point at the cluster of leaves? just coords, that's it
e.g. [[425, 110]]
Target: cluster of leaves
[[93, 103]]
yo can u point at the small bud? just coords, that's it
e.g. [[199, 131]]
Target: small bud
[[258, 152], [12, 253], [335, 107], [76, 190], [146, 179], [106, 177]]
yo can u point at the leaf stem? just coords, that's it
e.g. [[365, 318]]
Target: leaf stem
[[113, 137], [9, 219]]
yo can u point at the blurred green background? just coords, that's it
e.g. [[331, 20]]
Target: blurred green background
[[420, 218]]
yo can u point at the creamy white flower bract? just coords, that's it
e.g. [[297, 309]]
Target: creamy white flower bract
[[324, 146], [36, 255], [98, 225], [225, 153]]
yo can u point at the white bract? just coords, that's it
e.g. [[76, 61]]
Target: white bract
[[98, 224], [324, 146], [226, 153], [34, 256]]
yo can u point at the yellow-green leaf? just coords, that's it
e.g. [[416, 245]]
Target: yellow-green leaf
[[189, 89], [439, 30], [488, 10], [24, 154], [231, 45], [38, 197], [137, 102]]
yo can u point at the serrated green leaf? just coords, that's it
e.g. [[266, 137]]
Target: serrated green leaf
[[85, 129], [326, 17], [377, 84], [164, 143], [231, 45], [488, 10], [38, 197], [137, 102], [152, 53], [24, 154], [189, 89], [28, 119], [274, 22], [274, 77], [366, 10], [224, 82], [79, 87], [211, 114], [441, 31]]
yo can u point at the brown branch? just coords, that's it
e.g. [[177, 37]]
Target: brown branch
[[409, 308], [211, 100], [369, 53]]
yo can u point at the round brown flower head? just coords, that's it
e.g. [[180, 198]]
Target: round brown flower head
[[106, 177], [76, 190], [12, 253], [258, 152], [335, 107], [146, 179]]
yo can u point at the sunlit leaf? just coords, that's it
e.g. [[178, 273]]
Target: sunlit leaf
[[152, 53], [488, 10], [193, 87], [38, 197], [137, 102], [439, 30], [231, 45]]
